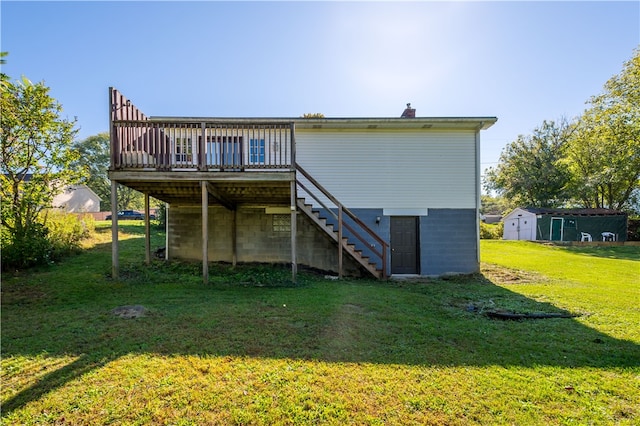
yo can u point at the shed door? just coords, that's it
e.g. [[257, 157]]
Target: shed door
[[404, 245], [557, 225]]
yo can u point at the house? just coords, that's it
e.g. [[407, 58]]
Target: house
[[545, 224], [73, 198], [77, 199], [368, 196]]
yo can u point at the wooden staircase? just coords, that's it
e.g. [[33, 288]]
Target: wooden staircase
[[357, 229], [348, 247]]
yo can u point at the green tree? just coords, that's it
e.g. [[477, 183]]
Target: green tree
[[3, 77], [604, 151], [531, 171], [35, 157], [95, 158], [495, 205]]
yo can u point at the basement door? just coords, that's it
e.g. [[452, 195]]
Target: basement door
[[404, 245]]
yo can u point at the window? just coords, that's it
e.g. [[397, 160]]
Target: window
[[281, 223], [256, 151], [184, 150], [224, 150]]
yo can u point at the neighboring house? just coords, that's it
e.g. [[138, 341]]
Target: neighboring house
[[565, 225], [74, 198], [491, 218], [373, 196], [77, 199]]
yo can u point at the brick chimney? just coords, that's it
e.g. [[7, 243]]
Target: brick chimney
[[409, 112]]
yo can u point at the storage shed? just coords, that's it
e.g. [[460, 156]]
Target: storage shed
[[542, 224]]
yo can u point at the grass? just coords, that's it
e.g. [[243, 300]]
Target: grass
[[252, 348]]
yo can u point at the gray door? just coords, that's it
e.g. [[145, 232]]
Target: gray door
[[404, 245]]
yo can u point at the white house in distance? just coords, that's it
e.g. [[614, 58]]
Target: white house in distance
[[77, 199], [362, 196]]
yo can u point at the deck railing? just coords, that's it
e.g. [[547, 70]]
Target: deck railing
[[203, 146], [345, 220]]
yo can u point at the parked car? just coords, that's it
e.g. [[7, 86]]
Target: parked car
[[129, 215]]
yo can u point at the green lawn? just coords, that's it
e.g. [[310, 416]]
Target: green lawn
[[252, 348]]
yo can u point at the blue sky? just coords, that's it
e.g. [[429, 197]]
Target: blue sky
[[522, 62]]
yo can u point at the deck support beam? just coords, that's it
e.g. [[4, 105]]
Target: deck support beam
[[294, 231], [147, 231], [114, 231], [205, 232], [234, 238], [213, 191]]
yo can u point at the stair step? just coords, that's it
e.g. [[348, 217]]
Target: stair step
[[329, 228]]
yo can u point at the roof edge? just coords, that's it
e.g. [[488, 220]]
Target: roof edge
[[480, 123]]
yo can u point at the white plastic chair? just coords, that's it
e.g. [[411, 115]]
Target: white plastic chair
[[585, 236], [608, 236]]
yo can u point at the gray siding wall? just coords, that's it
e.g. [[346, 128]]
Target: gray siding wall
[[448, 239], [449, 242]]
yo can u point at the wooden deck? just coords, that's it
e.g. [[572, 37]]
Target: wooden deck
[[225, 188], [229, 162]]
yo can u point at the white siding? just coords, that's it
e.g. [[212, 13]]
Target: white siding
[[77, 199], [520, 225], [393, 169]]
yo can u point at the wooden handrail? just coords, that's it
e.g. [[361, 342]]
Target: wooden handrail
[[204, 145], [382, 254]]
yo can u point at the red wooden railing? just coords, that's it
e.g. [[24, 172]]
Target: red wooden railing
[[140, 142]]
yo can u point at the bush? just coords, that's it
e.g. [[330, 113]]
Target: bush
[[66, 231], [27, 250], [491, 231], [59, 235]]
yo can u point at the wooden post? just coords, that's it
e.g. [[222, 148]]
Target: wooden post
[[205, 232], [147, 231], [114, 230], [166, 231], [202, 153], [339, 240], [234, 237], [294, 227], [293, 149]]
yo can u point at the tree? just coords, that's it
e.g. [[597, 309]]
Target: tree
[[95, 158], [604, 152], [495, 205], [531, 171], [3, 77], [35, 158]]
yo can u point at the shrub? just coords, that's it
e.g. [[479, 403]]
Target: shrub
[[20, 251], [491, 231], [57, 236], [66, 231]]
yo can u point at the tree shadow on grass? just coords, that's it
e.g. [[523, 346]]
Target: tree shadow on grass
[[53, 380], [422, 322]]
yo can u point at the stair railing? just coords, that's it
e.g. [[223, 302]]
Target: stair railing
[[339, 216]]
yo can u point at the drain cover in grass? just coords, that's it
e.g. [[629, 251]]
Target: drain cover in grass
[[130, 311]]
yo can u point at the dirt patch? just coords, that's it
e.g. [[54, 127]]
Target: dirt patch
[[130, 311], [500, 275]]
